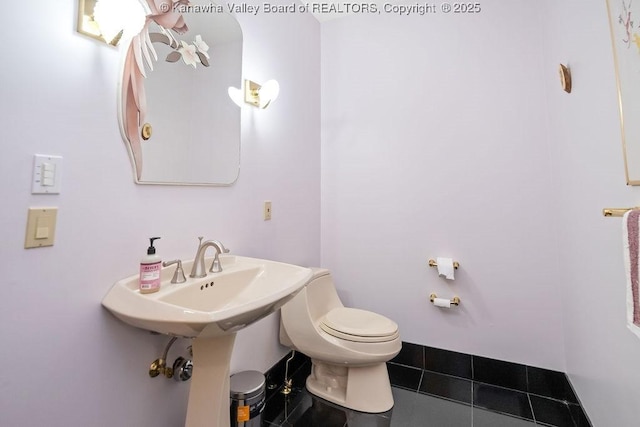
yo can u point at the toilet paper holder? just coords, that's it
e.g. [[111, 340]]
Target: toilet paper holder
[[433, 263], [454, 301]]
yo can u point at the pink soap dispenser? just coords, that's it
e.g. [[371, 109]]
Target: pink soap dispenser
[[150, 267]]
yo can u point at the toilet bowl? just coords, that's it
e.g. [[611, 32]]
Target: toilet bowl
[[348, 347]]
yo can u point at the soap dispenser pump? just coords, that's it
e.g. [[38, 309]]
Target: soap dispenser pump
[[150, 267]]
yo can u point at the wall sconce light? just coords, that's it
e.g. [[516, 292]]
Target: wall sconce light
[[108, 20], [255, 94]]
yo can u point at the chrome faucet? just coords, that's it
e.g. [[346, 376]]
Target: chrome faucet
[[199, 269]]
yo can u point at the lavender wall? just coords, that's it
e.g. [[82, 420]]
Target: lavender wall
[[441, 136], [66, 361], [434, 135], [450, 136], [586, 148]]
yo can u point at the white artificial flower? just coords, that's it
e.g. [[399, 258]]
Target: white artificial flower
[[189, 55], [201, 46]]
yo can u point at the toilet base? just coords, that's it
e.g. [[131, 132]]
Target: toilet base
[[361, 388]]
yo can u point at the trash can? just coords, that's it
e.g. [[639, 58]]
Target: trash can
[[247, 398]]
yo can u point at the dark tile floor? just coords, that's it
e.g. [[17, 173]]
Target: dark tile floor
[[436, 388]]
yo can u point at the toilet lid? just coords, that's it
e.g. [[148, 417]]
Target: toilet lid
[[359, 325]]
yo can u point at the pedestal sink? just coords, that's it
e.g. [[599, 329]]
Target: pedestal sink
[[209, 310]]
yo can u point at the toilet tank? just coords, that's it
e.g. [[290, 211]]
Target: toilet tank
[[321, 295], [300, 316]]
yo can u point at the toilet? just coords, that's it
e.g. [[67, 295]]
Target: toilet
[[348, 347]]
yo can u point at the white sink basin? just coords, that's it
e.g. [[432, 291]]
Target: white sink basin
[[247, 290]]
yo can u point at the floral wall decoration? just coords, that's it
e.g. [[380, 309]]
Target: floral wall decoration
[[167, 17]]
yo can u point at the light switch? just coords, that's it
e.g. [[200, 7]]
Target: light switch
[[41, 227], [47, 174], [42, 233]]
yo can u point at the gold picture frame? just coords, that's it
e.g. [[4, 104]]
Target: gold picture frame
[[624, 22]]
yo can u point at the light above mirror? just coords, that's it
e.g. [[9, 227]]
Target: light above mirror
[[110, 20], [255, 94]]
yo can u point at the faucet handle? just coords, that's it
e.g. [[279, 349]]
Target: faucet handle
[[215, 264], [178, 275]]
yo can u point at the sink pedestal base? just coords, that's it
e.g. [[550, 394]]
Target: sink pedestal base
[[209, 392]]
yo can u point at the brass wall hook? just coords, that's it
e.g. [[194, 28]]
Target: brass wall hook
[[565, 78], [146, 131]]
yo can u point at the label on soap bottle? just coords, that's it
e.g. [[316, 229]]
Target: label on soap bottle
[[150, 277]]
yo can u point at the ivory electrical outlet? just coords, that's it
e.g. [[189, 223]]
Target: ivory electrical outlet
[[41, 227], [267, 210]]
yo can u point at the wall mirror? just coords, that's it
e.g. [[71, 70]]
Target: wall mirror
[[176, 118]]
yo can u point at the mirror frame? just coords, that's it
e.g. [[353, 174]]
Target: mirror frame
[[129, 61]]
